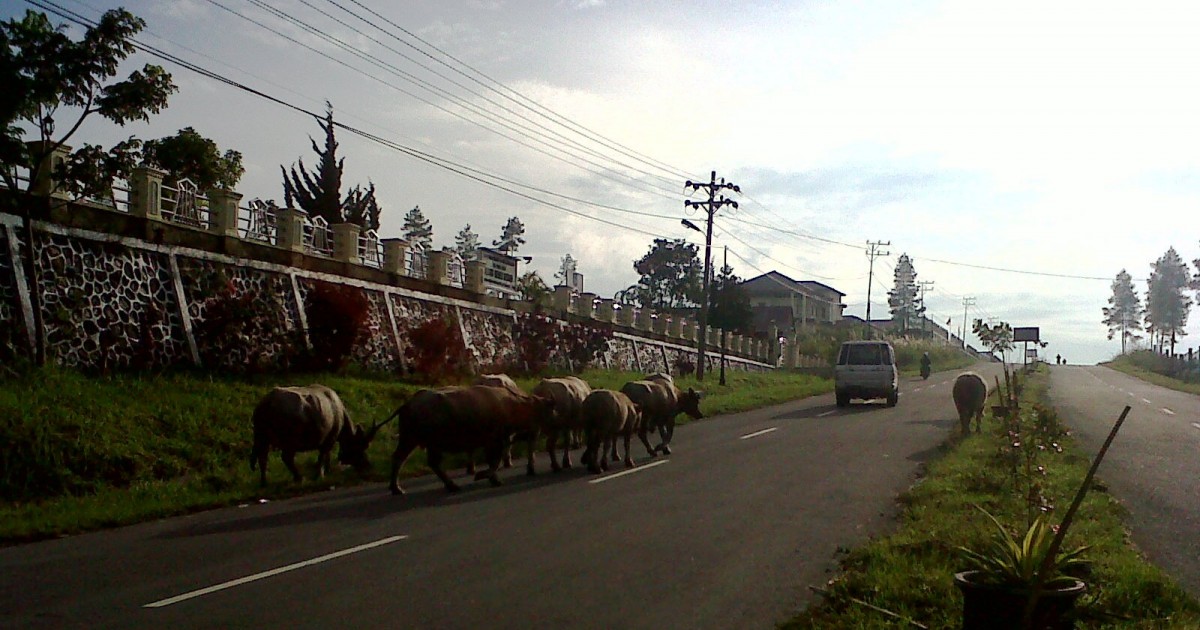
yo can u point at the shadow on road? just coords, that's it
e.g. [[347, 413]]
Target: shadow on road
[[815, 413]]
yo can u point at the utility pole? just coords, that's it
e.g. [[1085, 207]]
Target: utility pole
[[924, 284], [873, 252], [714, 203], [724, 264], [967, 301]]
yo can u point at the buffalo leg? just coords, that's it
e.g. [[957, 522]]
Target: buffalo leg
[[566, 448], [399, 456], [628, 458], [530, 448], [289, 460], [551, 445], [642, 436], [261, 456], [594, 452], [494, 455], [665, 431], [471, 462], [434, 459]]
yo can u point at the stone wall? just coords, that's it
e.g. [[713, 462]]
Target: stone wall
[[112, 295]]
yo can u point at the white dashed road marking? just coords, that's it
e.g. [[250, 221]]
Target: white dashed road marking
[[1196, 424], [266, 574], [1147, 401], [1167, 411], [630, 471], [827, 413], [757, 433]]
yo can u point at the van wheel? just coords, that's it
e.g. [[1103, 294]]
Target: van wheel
[[843, 400], [893, 398]]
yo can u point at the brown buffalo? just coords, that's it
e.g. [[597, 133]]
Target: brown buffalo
[[660, 401], [462, 419], [495, 380], [608, 415], [312, 418], [970, 393], [567, 393]]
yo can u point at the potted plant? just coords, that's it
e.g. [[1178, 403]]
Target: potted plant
[[998, 587], [1027, 583]]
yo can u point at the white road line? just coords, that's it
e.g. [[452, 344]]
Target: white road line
[[266, 574], [1196, 424], [827, 413], [1167, 411], [1147, 401], [757, 433], [1131, 394], [630, 471], [918, 389]]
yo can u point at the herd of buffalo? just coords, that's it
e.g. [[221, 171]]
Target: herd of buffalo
[[487, 415]]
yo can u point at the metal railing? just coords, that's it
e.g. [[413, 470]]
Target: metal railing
[[318, 237], [257, 221], [185, 205], [370, 249]]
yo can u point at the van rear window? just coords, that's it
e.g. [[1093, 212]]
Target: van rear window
[[865, 354]]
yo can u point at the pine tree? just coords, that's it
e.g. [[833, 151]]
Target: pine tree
[[1124, 311], [417, 230], [510, 238], [466, 243], [902, 299], [1167, 305], [566, 270], [318, 193], [361, 207]]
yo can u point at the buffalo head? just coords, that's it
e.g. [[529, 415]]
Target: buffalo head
[[689, 403], [353, 446]]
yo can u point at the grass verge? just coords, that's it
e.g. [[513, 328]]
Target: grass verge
[[910, 573], [83, 453], [1130, 366]]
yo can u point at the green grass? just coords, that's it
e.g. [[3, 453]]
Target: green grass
[[910, 572], [83, 453], [1137, 365]]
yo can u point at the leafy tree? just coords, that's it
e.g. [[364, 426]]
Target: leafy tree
[[43, 70], [1167, 305], [1124, 311], [360, 207], [466, 243], [189, 155], [997, 338], [671, 277], [417, 230], [566, 270], [532, 288], [319, 192], [511, 237], [905, 306]]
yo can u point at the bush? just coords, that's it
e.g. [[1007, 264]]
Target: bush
[[240, 332], [535, 335], [337, 322], [583, 343], [436, 351]]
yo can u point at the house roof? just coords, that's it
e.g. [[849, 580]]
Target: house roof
[[776, 280]]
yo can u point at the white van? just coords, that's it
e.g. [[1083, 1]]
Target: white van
[[866, 370]]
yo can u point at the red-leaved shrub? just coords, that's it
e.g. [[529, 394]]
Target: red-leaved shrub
[[436, 351], [337, 322]]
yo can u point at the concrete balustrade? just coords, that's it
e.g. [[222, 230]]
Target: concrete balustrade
[[290, 225], [345, 242], [676, 327], [586, 304], [474, 276], [605, 311], [145, 192], [45, 184], [562, 297], [395, 255], [644, 319], [439, 266], [625, 314], [223, 212]]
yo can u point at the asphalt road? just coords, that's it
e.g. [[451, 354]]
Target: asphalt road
[[1153, 465], [728, 531]]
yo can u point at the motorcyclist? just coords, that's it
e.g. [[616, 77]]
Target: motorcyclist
[[926, 365]]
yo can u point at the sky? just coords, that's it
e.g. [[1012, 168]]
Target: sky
[[1020, 153]]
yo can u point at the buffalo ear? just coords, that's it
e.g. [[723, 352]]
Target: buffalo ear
[[697, 394]]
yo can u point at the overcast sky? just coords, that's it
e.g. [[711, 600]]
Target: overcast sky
[[1057, 138]]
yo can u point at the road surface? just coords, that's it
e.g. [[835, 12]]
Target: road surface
[[1153, 466], [728, 531]]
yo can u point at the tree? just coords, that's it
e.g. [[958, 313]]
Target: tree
[[360, 207], [318, 193], [189, 155], [1124, 311], [43, 70], [997, 338], [532, 288], [466, 243], [417, 230], [1167, 305], [902, 299], [566, 271], [510, 238], [671, 276], [728, 308]]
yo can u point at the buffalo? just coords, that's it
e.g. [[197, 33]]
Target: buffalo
[[660, 401], [495, 380], [970, 393], [462, 419], [608, 415], [567, 393], [312, 418]]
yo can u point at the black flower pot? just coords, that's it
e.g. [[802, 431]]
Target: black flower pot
[[991, 607]]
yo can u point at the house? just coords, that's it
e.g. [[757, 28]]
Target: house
[[791, 304]]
